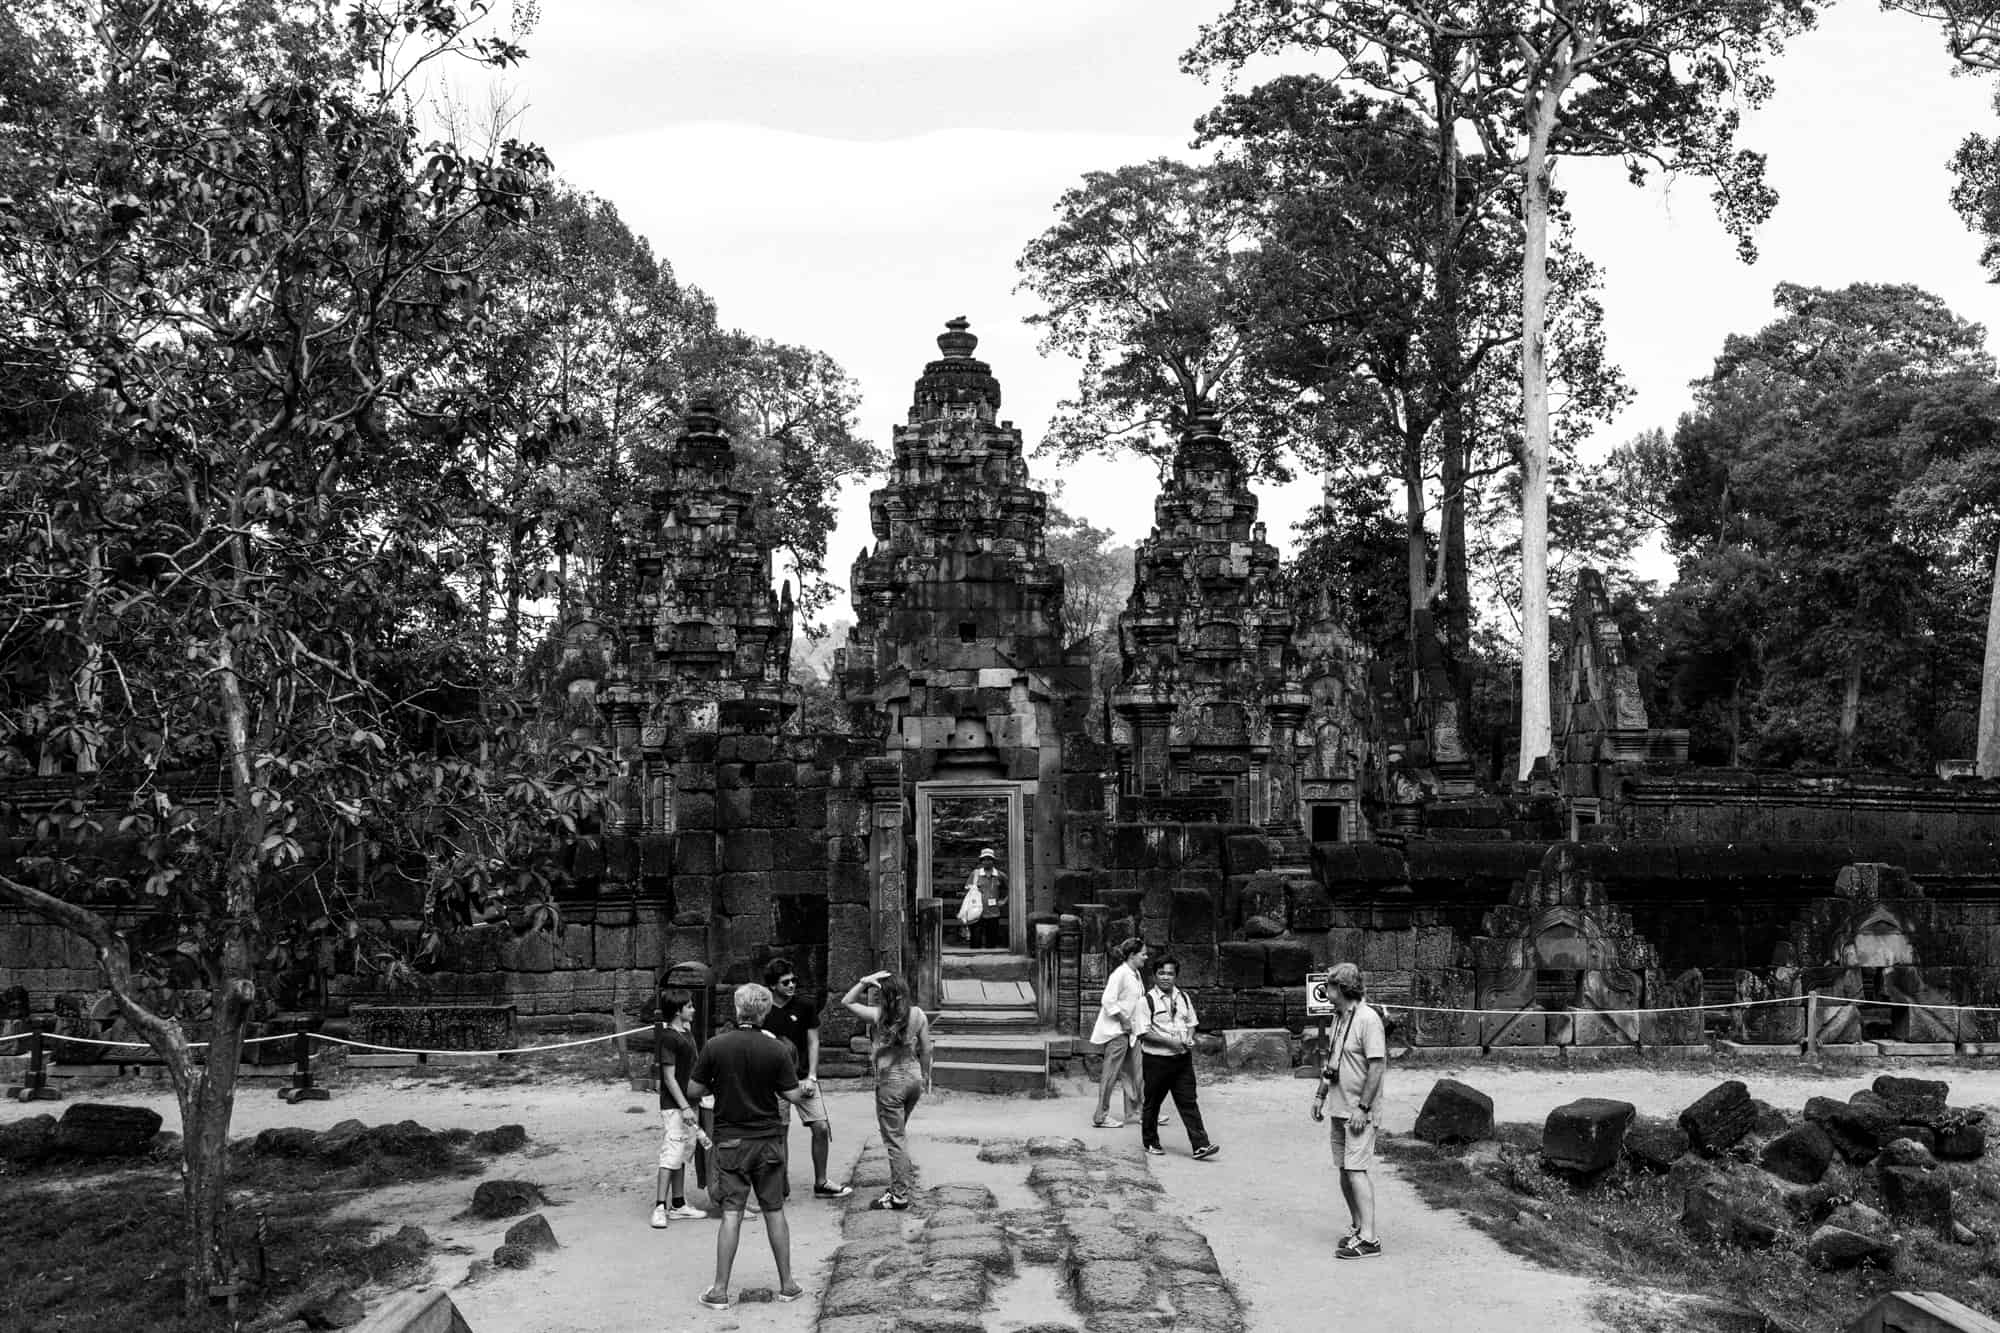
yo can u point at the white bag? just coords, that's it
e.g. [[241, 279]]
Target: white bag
[[970, 910]]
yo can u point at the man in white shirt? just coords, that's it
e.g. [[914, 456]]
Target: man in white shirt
[[1355, 1060], [1168, 1044], [1117, 1029]]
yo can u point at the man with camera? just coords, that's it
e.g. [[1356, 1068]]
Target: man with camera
[[1356, 1057]]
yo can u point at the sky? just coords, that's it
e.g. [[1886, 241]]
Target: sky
[[849, 177]]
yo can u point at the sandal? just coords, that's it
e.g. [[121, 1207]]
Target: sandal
[[791, 1293], [713, 1301]]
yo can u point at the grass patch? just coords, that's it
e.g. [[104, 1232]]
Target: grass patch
[[96, 1247], [1624, 1232]]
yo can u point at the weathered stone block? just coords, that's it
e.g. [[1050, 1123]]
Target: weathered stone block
[[1260, 1008], [1799, 1155], [1912, 1098], [1242, 963], [1708, 1213], [1654, 1145], [744, 894], [1720, 1117], [1246, 853], [693, 854], [1287, 962], [1258, 1051], [1857, 1132], [747, 849], [577, 948], [1455, 1112], [694, 812], [1919, 1195], [1584, 1136], [1836, 1247], [611, 946]]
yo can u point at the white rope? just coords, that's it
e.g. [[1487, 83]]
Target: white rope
[[1850, 1000], [517, 1050]]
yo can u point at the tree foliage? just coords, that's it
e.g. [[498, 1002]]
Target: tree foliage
[[1833, 500]]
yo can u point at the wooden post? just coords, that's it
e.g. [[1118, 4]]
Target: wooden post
[[1812, 1024], [38, 1089], [302, 1089]]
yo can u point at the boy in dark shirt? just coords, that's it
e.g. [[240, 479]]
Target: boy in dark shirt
[[750, 1076], [673, 1068], [798, 1023]]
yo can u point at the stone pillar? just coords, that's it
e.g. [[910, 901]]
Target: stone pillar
[[1048, 971], [888, 883], [1281, 767], [1150, 720], [625, 796], [1069, 946], [928, 978]]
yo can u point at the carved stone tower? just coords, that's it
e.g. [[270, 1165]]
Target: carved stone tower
[[1212, 700], [702, 643]]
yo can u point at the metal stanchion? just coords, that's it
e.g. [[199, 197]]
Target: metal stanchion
[[37, 1088], [302, 1089]]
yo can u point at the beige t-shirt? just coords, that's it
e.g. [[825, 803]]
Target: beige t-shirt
[[1357, 1038]]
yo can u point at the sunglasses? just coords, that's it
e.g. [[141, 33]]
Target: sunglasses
[[788, 981]]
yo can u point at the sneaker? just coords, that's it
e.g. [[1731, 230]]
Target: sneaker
[[1206, 1151], [714, 1301], [1106, 1122], [791, 1293], [687, 1212], [828, 1190], [1155, 1150], [888, 1203], [659, 1216], [1357, 1248]]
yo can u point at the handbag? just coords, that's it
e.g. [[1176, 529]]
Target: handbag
[[970, 909]]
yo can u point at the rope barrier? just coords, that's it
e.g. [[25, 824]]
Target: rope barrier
[[517, 1050], [1703, 1008]]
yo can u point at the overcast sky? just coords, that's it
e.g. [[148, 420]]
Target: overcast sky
[[849, 177]]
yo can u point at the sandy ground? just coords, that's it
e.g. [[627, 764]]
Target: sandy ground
[[1268, 1203]]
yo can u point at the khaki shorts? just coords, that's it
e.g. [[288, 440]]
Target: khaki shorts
[[746, 1167], [1353, 1150], [812, 1107], [676, 1140]]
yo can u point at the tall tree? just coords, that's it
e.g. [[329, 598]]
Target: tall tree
[[1654, 85], [1140, 273], [1840, 466], [228, 255]]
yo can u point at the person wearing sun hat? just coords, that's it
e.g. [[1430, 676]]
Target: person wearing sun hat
[[990, 930], [1356, 1057]]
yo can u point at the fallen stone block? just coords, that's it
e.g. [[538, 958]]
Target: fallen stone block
[[1835, 1247], [1961, 1135], [1654, 1145], [1799, 1155], [504, 1139], [532, 1232], [1709, 1214], [428, 1311], [1258, 1050], [1919, 1195], [1908, 1095], [95, 1129], [1905, 1152], [494, 1199], [1454, 1112], [1584, 1136], [1114, 1286], [1858, 1132], [1720, 1117], [29, 1139]]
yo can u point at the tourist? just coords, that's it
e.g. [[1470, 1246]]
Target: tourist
[[899, 1044], [1117, 1028], [1168, 1043], [1352, 1074], [680, 1130], [798, 1023], [749, 1075], [989, 881]]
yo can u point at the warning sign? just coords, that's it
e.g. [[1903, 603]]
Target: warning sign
[[1319, 995]]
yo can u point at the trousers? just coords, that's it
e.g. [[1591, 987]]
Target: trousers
[[1171, 1074], [896, 1095]]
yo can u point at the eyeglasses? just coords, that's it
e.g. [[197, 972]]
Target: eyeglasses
[[788, 981]]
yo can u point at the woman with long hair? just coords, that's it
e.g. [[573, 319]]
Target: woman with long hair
[[899, 1043]]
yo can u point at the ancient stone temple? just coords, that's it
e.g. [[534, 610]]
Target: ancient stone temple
[[700, 643], [956, 661], [1212, 700]]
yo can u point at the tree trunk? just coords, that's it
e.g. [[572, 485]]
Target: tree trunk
[[1536, 731], [1449, 365], [1850, 711], [1987, 752], [1417, 564]]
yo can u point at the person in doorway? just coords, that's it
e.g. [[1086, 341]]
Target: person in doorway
[[899, 1045], [1168, 1043], [1351, 1080], [749, 1075], [793, 1019], [990, 930], [1117, 1029], [680, 1130]]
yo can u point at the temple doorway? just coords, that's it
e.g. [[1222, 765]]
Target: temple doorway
[[956, 822]]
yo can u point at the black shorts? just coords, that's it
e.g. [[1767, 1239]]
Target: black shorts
[[744, 1167]]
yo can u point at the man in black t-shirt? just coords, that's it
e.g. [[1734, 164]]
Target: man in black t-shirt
[[750, 1076], [798, 1023]]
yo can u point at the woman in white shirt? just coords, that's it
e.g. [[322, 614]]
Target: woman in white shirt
[[1118, 1022], [1168, 1041]]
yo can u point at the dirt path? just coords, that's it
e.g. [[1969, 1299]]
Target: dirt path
[[1268, 1205]]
